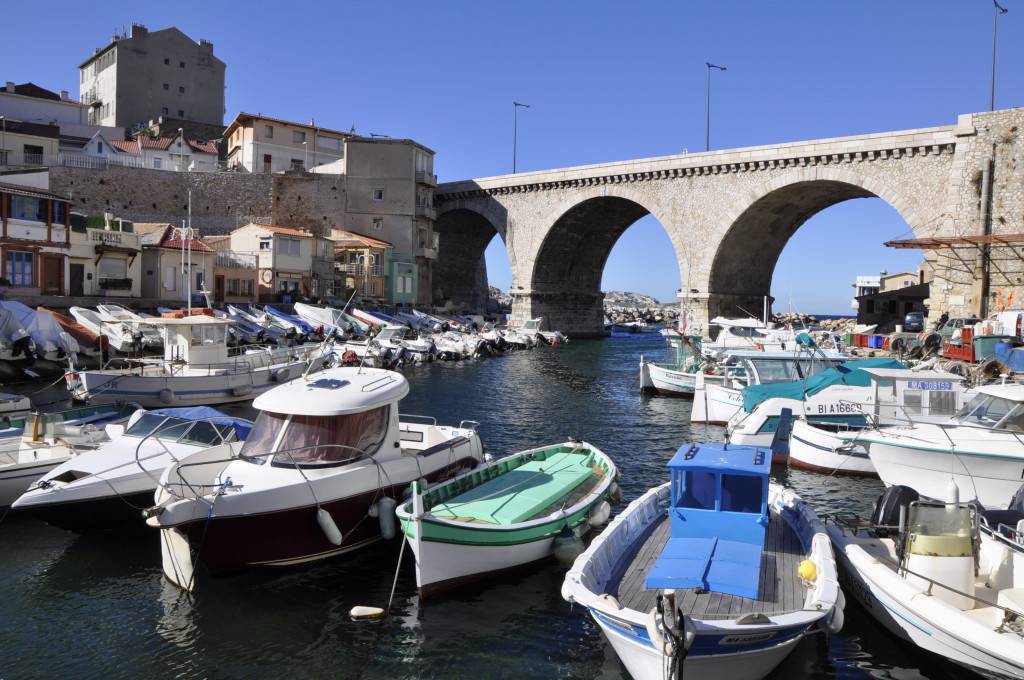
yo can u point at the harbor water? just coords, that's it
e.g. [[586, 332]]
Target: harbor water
[[98, 606]]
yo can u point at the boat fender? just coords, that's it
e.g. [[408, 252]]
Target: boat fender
[[599, 514], [615, 492], [835, 622], [808, 571], [167, 395], [374, 511], [568, 545], [362, 613], [241, 390], [386, 517], [327, 525], [654, 632], [279, 375]]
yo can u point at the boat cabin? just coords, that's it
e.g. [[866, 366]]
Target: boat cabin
[[718, 516], [194, 340], [902, 395]]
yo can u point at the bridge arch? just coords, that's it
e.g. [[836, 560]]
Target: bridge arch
[[758, 227], [563, 281], [464, 230]]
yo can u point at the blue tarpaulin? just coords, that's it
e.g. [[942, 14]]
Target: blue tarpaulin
[[846, 373], [1011, 357], [240, 425]]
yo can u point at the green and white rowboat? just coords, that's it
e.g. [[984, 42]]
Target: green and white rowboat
[[507, 513]]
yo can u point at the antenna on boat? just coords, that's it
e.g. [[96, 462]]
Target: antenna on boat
[[323, 344]]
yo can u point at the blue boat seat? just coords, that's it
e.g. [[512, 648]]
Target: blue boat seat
[[683, 563]]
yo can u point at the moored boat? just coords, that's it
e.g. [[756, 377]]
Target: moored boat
[[717, 573], [318, 476], [506, 513]]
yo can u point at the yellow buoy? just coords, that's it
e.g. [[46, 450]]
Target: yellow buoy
[[807, 570]]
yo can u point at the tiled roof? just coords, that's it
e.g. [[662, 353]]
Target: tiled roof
[[350, 239], [166, 238], [280, 121], [34, 192], [162, 143], [287, 231], [204, 147]]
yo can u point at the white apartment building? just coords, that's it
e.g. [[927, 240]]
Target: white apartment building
[[284, 258], [260, 144], [144, 75], [177, 153], [30, 103]]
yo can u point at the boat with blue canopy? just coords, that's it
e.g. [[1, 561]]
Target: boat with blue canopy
[[718, 572]]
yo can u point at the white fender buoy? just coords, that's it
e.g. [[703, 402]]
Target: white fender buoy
[[599, 514], [241, 390], [386, 517], [654, 632], [327, 525], [835, 622], [615, 492], [568, 545], [167, 395], [362, 613], [374, 511]]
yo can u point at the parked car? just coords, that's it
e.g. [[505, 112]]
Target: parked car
[[913, 322], [951, 326]]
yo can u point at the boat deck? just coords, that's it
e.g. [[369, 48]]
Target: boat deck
[[779, 587]]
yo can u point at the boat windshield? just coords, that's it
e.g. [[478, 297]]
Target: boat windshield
[[389, 333], [992, 412], [775, 370], [316, 440], [178, 429], [531, 325]]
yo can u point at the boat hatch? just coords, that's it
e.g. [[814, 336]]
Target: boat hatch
[[69, 476], [329, 383], [718, 515]]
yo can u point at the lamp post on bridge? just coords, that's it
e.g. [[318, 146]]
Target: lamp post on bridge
[[997, 9], [707, 124], [515, 129]]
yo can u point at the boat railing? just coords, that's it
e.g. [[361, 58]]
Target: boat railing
[[412, 418], [155, 435], [469, 425]]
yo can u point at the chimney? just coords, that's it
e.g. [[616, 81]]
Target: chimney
[[63, 95], [139, 31], [10, 86], [205, 46]]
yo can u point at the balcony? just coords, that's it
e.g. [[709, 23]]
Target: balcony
[[359, 270], [115, 284], [91, 98], [230, 259], [423, 210], [427, 247], [424, 177], [33, 158]]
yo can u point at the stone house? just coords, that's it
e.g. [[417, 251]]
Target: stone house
[[174, 262], [158, 153], [284, 259], [35, 228]]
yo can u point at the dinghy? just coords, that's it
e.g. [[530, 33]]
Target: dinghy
[[927, 574], [677, 379], [137, 323], [507, 513], [120, 335], [287, 320], [718, 573], [51, 342], [318, 476], [16, 345], [332, 320], [262, 320], [108, 487], [91, 344]]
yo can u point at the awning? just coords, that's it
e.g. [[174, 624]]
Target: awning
[[102, 249], [938, 242]]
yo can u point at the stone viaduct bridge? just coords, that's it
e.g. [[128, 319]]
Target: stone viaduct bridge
[[728, 213]]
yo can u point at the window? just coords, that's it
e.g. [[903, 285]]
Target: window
[[298, 137], [912, 401], [248, 287], [171, 278], [157, 163], [164, 111], [112, 268], [167, 62], [268, 131], [233, 287], [330, 143], [167, 86], [297, 165], [741, 493], [19, 267], [869, 308], [60, 212], [265, 243], [700, 490], [330, 440], [378, 223], [941, 402], [288, 246], [199, 280], [181, 64], [283, 285], [99, 147], [26, 208], [378, 194], [181, 89], [181, 113]]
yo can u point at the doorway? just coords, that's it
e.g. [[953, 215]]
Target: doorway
[[76, 273], [52, 275], [218, 288]]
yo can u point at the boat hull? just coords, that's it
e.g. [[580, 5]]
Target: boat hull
[[93, 515], [16, 478], [818, 450], [665, 381]]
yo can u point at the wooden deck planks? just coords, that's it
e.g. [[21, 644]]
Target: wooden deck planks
[[779, 587]]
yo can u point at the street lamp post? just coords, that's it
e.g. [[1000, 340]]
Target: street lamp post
[[3, 140], [305, 156], [515, 125], [997, 9], [707, 122]]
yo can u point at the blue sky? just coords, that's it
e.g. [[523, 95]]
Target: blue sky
[[605, 80]]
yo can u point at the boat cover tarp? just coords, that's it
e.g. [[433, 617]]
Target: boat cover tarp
[[522, 492], [10, 328], [240, 425], [43, 328], [846, 373], [79, 332], [1011, 357], [302, 325]]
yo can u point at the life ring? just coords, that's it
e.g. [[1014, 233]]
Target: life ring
[[266, 276]]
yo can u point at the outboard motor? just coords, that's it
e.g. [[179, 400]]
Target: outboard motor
[[888, 508]]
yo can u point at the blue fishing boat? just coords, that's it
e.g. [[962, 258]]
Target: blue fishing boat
[[718, 572], [302, 326]]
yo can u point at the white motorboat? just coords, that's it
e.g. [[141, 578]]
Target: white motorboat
[[138, 324], [677, 379], [718, 400], [262, 320], [320, 475], [398, 337], [35, 444], [51, 342], [428, 322], [196, 368], [121, 336], [981, 449], [534, 327], [922, 570], [13, 406], [717, 573], [332, 320], [109, 486]]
